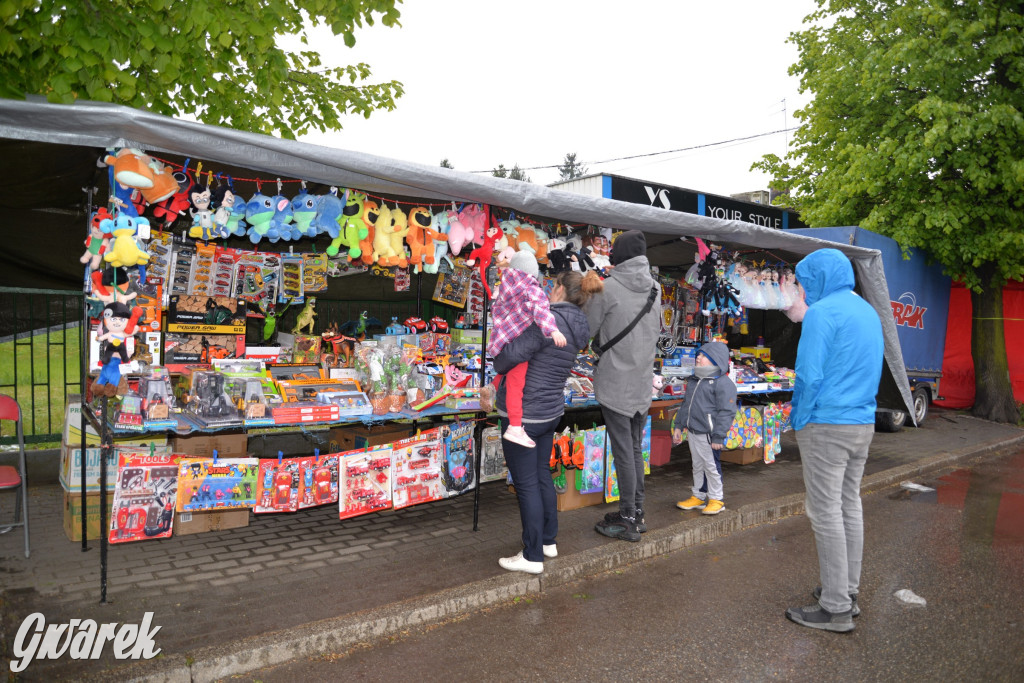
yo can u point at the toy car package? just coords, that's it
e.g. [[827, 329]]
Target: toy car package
[[418, 469], [278, 485], [318, 480], [365, 482], [291, 279]]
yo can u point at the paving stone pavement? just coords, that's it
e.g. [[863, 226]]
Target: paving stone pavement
[[291, 569]]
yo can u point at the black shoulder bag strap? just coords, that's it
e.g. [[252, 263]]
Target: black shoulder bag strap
[[601, 348]]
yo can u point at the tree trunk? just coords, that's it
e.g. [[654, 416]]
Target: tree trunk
[[993, 393]]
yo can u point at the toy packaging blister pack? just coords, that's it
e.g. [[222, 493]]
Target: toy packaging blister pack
[[291, 279], [180, 276], [202, 270], [223, 271], [459, 465], [314, 273], [418, 469], [216, 483], [161, 253], [365, 482], [144, 497], [492, 459], [256, 280], [318, 480], [277, 485]]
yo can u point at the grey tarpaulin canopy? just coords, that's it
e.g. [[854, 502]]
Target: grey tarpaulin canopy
[[100, 125]]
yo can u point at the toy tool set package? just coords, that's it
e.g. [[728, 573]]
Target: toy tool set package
[[144, 497]]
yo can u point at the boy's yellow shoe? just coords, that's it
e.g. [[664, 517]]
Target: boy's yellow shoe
[[691, 503], [713, 507]]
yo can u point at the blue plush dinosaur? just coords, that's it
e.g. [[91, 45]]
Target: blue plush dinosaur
[[304, 209], [259, 211], [328, 214], [283, 218]]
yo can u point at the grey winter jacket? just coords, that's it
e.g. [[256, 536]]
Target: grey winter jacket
[[709, 404], [625, 372], [544, 389]]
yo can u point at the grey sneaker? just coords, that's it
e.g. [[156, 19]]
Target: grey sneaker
[[614, 525], [641, 523], [816, 616], [853, 599]]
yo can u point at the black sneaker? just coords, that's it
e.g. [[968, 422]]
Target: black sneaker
[[614, 525], [816, 616], [853, 599], [641, 524]]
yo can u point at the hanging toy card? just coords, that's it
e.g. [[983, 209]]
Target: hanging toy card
[[278, 485], [144, 497], [314, 273], [459, 462], [645, 445], [418, 466], [453, 288], [593, 460], [364, 482], [492, 458], [318, 480], [611, 476], [746, 429], [216, 483]]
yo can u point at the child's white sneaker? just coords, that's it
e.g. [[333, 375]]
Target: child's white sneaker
[[518, 435]]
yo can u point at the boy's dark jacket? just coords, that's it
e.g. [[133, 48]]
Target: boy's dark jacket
[[709, 404]]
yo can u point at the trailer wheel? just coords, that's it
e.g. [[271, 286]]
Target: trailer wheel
[[890, 421], [922, 401]]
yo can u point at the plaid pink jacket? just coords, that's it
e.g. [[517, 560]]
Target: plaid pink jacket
[[520, 302]]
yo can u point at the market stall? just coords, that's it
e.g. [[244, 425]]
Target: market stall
[[205, 269]]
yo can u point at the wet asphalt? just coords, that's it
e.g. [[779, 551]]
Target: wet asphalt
[[715, 612]]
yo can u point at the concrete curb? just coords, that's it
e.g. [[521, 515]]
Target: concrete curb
[[336, 635]]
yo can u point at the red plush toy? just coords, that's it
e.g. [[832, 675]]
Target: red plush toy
[[177, 204], [485, 251]]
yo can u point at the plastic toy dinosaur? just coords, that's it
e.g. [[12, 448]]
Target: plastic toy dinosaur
[[306, 316]]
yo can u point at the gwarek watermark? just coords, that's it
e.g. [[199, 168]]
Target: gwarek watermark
[[81, 639]]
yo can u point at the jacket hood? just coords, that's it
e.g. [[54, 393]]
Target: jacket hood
[[634, 274], [577, 330], [718, 353], [824, 272]]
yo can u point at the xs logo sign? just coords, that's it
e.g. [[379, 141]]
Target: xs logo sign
[[658, 196]]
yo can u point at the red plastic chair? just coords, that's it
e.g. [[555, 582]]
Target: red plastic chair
[[11, 478]]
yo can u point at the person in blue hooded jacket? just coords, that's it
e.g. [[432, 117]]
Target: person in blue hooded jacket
[[838, 368]]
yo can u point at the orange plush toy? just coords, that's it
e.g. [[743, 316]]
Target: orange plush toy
[[421, 237], [370, 212]]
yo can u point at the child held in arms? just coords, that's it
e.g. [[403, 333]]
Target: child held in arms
[[707, 412], [520, 303]]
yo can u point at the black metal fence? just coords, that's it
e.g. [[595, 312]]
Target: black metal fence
[[41, 346]]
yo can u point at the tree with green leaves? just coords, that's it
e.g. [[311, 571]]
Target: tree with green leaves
[[915, 131], [446, 164], [571, 168], [224, 62], [514, 173]]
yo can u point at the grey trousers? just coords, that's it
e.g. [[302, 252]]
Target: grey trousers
[[833, 458], [626, 435]]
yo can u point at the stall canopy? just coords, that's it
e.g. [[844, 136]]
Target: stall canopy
[[52, 152]]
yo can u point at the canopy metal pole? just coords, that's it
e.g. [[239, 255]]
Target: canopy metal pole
[[478, 447]]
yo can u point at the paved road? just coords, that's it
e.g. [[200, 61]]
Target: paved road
[[715, 612]]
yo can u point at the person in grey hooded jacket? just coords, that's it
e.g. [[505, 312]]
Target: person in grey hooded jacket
[[707, 412], [625, 373]]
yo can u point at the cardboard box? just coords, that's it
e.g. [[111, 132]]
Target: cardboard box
[[743, 456], [572, 499], [71, 464], [203, 445], [186, 523], [73, 514], [662, 412], [661, 447], [762, 352], [467, 336], [350, 438]]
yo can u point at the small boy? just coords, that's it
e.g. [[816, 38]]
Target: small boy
[[520, 302], [707, 412]]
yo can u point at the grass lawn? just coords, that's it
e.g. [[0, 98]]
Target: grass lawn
[[38, 372]]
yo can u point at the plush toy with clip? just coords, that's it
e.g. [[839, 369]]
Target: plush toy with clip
[[398, 231], [202, 215], [96, 243], [438, 226], [474, 217], [283, 217], [483, 254], [125, 250], [118, 322], [459, 234], [383, 253], [371, 212], [259, 212], [177, 204], [303, 212], [421, 238], [222, 201], [134, 171], [559, 257], [351, 226]]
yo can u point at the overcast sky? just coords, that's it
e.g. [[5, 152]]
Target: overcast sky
[[527, 81]]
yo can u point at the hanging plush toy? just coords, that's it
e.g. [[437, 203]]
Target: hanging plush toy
[[420, 237], [177, 204], [474, 217], [382, 252], [459, 234], [125, 250], [371, 212], [439, 227], [399, 229], [202, 215], [118, 322], [329, 210], [131, 174], [96, 243], [110, 285], [223, 201], [482, 255], [558, 258], [283, 217], [259, 212], [303, 213], [351, 226]]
